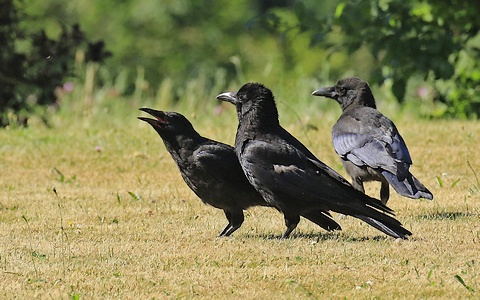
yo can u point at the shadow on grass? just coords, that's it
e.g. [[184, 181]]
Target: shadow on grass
[[320, 237], [457, 215]]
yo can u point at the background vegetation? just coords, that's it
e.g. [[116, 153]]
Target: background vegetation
[[424, 54]]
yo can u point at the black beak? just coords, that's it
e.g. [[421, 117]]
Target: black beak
[[158, 114], [228, 97], [150, 121], [328, 92]]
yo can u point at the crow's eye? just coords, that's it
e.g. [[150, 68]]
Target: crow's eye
[[341, 90]]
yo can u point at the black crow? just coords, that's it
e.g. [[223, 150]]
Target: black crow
[[287, 174], [369, 144], [212, 171]]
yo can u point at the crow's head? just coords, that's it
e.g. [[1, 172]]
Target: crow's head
[[169, 125], [348, 91], [254, 101]]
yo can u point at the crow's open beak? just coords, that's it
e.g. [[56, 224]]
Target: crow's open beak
[[328, 92], [228, 97], [158, 114]]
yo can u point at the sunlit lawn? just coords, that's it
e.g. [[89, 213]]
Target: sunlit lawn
[[97, 209]]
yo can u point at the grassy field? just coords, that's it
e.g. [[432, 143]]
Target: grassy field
[[95, 208]]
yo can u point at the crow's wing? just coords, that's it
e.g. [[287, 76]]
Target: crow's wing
[[218, 161], [367, 138], [215, 173], [299, 147], [286, 176]]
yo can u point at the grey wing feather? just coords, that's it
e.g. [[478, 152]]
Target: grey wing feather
[[398, 150], [376, 145], [344, 143], [364, 149]]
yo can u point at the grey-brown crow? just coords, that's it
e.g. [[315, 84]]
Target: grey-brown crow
[[212, 171], [369, 144], [287, 174]]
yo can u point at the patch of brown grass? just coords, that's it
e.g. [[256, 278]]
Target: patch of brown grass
[[122, 224]]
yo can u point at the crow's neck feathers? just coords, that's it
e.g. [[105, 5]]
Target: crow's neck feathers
[[365, 97], [180, 145]]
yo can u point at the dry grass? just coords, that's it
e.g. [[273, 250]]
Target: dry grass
[[122, 224]]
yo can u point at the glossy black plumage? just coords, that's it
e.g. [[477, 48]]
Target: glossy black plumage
[[212, 171], [287, 174]]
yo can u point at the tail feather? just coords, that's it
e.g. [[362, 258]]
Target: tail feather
[[393, 229], [373, 212], [411, 187], [322, 219], [361, 204]]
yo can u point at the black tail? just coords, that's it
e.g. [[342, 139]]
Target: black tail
[[393, 228], [322, 219], [411, 187], [373, 212]]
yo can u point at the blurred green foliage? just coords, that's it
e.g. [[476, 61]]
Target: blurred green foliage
[[178, 50], [424, 52], [33, 66], [167, 39], [437, 41]]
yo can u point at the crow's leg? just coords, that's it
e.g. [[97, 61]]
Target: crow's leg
[[384, 191], [291, 221], [357, 183], [235, 220]]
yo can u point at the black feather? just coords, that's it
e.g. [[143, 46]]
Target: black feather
[[288, 175]]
